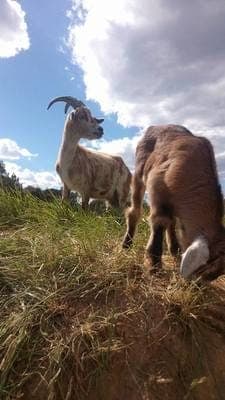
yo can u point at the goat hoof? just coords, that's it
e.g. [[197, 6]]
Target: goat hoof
[[152, 267], [127, 242]]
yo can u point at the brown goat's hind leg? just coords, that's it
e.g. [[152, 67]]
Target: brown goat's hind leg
[[154, 248], [171, 239], [134, 212], [161, 219]]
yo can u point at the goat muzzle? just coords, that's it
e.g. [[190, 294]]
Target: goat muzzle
[[99, 132]]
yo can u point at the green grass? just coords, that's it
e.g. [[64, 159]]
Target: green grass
[[77, 313]]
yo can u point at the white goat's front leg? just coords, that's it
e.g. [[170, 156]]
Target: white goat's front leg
[[84, 201], [65, 193]]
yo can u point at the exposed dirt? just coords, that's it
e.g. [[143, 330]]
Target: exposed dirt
[[161, 357]]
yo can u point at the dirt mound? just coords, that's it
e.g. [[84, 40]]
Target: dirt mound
[[161, 340], [79, 319]]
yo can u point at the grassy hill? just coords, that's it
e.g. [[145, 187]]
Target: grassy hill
[[80, 320]]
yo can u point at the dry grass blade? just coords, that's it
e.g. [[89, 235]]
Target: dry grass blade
[[80, 319]]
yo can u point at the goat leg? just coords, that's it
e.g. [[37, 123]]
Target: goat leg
[[134, 212]]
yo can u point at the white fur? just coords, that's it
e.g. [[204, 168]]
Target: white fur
[[91, 173], [196, 255]]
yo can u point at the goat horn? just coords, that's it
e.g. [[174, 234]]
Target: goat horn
[[70, 101], [67, 106]]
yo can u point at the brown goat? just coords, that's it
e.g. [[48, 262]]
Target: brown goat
[[179, 172]]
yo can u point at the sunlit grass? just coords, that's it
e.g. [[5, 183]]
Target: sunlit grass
[[73, 304]]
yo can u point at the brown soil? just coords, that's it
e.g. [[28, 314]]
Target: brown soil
[[164, 354]]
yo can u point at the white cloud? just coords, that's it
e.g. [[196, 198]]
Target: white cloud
[[124, 147], [41, 179], [152, 62], [13, 29], [10, 150]]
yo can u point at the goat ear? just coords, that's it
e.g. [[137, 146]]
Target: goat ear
[[79, 114], [99, 120], [73, 116], [196, 255]]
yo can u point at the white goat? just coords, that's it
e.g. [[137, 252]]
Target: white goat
[[91, 173], [179, 172]]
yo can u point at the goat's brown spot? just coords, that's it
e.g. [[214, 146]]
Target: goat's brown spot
[[103, 192]]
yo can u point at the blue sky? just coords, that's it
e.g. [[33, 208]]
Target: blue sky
[[30, 79], [135, 62]]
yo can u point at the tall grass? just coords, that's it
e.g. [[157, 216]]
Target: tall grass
[[73, 303]]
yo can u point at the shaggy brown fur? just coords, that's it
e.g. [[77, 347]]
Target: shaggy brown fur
[[179, 172]]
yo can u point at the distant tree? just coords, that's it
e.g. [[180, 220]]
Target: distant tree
[[35, 191], [14, 182], [8, 181], [2, 168], [50, 194], [39, 193]]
